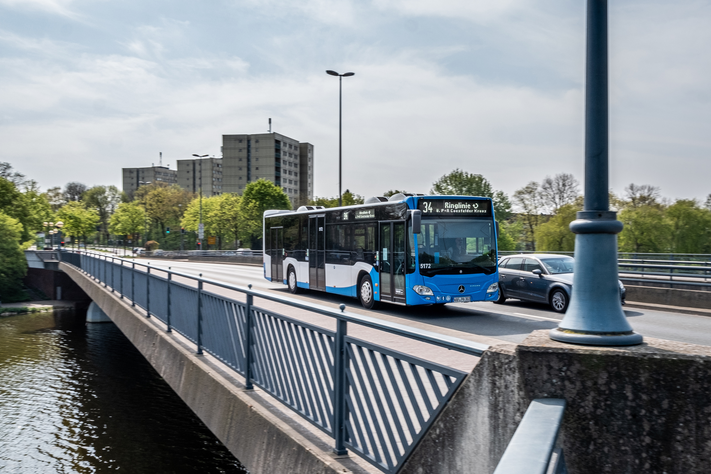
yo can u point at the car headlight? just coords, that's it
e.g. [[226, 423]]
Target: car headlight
[[622, 287], [423, 290], [493, 288]]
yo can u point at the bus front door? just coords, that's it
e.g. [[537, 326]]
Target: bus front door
[[317, 253], [392, 261], [276, 252]]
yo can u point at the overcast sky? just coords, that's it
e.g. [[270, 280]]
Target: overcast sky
[[494, 87]]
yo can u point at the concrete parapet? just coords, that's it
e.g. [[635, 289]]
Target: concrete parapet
[[637, 409], [689, 298], [246, 422]]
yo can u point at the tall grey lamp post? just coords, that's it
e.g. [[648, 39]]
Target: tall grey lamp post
[[200, 227], [340, 108], [595, 315]]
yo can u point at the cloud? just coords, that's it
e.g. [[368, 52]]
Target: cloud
[[57, 7]]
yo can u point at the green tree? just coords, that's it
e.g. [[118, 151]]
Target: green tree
[[462, 183], [530, 203], [13, 265], [78, 220], [128, 220], [348, 199], [229, 218], [504, 240], [26, 207], [258, 197], [645, 229], [74, 191], [104, 199], [7, 172], [689, 226], [210, 208], [555, 235], [55, 198], [164, 205]]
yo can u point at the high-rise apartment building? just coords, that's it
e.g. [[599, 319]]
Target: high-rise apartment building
[[202, 174], [274, 157], [133, 178]]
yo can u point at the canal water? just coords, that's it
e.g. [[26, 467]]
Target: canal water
[[79, 398]]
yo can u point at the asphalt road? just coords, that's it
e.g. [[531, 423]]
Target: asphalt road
[[485, 322]]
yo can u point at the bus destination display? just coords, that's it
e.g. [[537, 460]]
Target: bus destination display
[[454, 207]]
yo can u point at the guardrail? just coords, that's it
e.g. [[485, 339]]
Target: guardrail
[[696, 273], [533, 448], [376, 401]]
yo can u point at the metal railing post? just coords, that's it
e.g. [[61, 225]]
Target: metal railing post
[[148, 291], [339, 387], [199, 317], [106, 266], [248, 343], [121, 278], [133, 283], [170, 278], [113, 283]]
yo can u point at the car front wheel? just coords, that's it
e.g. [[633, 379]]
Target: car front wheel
[[559, 301], [501, 297]]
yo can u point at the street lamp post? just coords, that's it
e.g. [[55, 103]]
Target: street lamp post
[[340, 121], [200, 226], [595, 315]]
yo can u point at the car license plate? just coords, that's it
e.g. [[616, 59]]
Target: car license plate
[[461, 299]]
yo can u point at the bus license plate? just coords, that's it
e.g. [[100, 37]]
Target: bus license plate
[[462, 299]]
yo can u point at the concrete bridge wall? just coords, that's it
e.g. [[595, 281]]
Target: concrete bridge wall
[[642, 409]]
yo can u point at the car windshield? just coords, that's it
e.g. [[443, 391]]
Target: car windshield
[[456, 246], [558, 265]]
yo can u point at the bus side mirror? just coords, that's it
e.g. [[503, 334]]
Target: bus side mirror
[[416, 221]]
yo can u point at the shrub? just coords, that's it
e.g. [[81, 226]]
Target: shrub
[[151, 245]]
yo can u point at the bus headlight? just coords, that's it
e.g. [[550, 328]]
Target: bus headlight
[[493, 288], [423, 290]]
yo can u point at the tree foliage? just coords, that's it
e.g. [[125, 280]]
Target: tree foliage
[[555, 234], [258, 197], [530, 205], [74, 191], [104, 199], [558, 191], [129, 219], [462, 183], [13, 265], [348, 199], [78, 220]]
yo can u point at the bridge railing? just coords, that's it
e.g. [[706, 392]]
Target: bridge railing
[[534, 448], [376, 401]]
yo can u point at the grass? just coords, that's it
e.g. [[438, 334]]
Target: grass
[[23, 310]]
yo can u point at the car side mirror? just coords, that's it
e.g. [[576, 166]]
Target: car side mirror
[[538, 272]]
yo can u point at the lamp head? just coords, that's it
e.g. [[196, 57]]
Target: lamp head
[[349, 74], [333, 73]]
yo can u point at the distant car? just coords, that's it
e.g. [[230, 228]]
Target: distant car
[[544, 278]]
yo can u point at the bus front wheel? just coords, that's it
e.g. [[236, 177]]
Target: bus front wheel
[[365, 292], [291, 280]]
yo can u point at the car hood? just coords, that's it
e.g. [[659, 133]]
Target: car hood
[[566, 278]]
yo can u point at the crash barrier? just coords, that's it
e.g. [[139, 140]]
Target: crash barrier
[[373, 400], [533, 448]]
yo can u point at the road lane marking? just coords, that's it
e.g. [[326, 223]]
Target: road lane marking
[[537, 317]]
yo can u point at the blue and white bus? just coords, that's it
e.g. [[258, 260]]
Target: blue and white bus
[[409, 250]]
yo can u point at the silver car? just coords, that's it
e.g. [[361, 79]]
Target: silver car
[[544, 278]]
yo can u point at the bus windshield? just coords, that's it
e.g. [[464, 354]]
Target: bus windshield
[[456, 246]]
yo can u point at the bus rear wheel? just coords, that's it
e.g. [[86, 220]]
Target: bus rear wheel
[[291, 280], [366, 294]]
